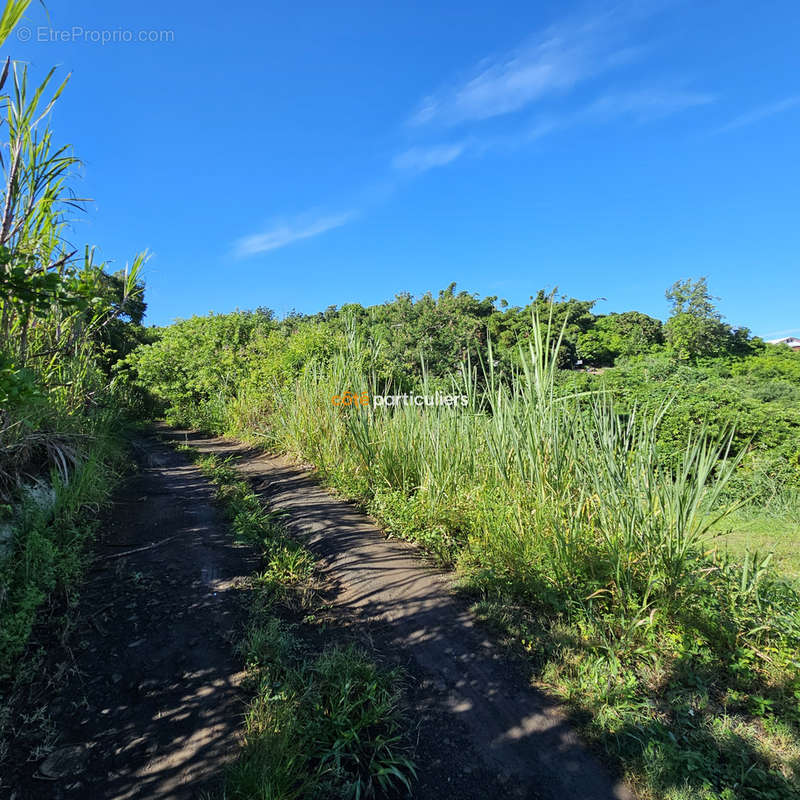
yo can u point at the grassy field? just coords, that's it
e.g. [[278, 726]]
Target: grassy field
[[762, 532]]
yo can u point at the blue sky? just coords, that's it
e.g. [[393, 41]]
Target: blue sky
[[298, 156]]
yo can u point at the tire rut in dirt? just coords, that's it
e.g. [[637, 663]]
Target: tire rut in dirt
[[151, 707]]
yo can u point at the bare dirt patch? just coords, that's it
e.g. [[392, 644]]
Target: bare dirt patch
[[141, 697]]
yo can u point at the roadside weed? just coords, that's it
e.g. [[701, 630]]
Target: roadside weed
[[322, 723]]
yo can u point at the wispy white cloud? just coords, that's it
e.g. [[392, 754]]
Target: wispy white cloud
[[643, 105], [646, 104], [757, 114], [284, 233], [553, 61], [781, 334], [419, 159]]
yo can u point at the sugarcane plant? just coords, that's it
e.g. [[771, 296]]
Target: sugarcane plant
[[56, 302]]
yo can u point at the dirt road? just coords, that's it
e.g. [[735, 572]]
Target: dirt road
[[143, 701], [513, 731], [147, 701]]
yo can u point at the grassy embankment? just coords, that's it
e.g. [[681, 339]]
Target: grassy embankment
[[589, 549], [64, 321], [560, 517]]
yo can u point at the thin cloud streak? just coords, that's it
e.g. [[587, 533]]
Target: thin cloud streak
[[644, 105], [554, 61], [757, 114], [420, 159], [286, 233]]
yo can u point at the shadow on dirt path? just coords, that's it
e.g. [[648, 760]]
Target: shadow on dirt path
[[150, 707], [515, 732]]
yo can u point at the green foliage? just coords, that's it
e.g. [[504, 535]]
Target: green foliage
[[63, 322], [690, 337], [327, 726], [692, 297], [47, 548], [12, 14], [194, 366], [695, 329], [587, 503], [17, 386], [229, 372], [440, 331], [773, 362], [512, 328], [627, 334], [754, 397], [200, 368]]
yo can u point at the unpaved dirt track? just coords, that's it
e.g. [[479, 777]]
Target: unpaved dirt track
[[152, 707], [515, 731]]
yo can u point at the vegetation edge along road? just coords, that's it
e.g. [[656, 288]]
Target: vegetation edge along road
[[184, 618], [584, 534], [521, 743], [140, 693]]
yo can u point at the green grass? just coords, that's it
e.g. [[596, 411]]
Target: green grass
[[325, 721], [676, 725], [577, 541], [760, 530], [48, 548], [591, 547], [321, 725], [41, 573]]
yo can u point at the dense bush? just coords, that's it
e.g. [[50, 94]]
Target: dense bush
[[224, 370], [209, 371]]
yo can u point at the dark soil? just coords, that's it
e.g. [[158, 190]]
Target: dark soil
[[147, 704], [141, 697]]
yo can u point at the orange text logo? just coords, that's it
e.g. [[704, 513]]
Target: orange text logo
[[351, 399]]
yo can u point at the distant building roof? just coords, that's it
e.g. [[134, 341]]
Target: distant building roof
[[792, 341]]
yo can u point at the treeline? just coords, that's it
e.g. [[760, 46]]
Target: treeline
[[449, 327], [221, 371]]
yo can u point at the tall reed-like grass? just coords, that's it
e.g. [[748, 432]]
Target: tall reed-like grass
[[555, 494], [581, 539]]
